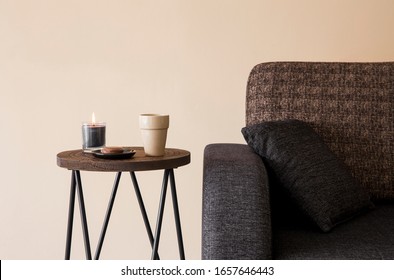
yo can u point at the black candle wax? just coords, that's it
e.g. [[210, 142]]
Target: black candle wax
[[93, 135]]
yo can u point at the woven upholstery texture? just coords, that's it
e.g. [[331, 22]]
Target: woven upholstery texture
[[350, 105], [236, 222], [370, 236], [315, 179]]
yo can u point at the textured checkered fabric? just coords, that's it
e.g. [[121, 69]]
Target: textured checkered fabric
[[351, 105], [236, 209], [369, 237]]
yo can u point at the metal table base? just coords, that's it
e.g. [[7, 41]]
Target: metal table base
[[76, 189]]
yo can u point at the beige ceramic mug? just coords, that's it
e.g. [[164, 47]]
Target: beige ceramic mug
[[154, 133]]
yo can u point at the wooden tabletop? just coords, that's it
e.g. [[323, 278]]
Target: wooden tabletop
[[78, 160]]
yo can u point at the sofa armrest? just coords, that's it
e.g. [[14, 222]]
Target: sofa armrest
[[236, 222]]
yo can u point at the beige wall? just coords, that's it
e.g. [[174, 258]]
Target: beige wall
[[62, 60]]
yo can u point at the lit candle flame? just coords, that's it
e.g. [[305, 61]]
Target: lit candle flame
[[93, 118]]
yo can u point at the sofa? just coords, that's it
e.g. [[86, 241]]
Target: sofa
[[266, 199]]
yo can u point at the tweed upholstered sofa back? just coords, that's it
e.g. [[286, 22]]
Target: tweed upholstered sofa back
[[351, 105]]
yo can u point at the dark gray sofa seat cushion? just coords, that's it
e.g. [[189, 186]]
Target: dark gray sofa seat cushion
[[370, 236]]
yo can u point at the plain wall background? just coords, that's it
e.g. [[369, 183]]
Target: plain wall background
[[62, 60]]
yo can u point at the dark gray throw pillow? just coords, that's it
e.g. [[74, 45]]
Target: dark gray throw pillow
[[315, 179]]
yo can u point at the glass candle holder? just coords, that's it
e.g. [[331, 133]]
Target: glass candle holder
[[93, 136]]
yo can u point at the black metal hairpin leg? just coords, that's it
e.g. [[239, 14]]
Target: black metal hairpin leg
[[88, 252], [160, 214], [176, 214], [107, 216], [143, 211], [76, 186], [70, 217]]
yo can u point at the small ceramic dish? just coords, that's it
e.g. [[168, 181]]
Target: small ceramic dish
[[127, 153]]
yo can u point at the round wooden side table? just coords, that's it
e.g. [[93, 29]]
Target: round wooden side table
[[77, 160]]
